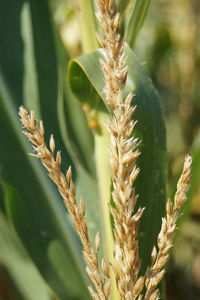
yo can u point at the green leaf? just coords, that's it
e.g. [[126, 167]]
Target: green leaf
[[136, 19], [37, 212], [85, 74], [27, 282]]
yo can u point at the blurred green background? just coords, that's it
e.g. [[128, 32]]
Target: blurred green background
[[37, 38]]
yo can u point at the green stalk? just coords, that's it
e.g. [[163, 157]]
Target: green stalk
[[102, 165], [87, 25], [136, 19]]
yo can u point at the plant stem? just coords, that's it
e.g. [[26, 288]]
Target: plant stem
[[102, 142], [87, 25]]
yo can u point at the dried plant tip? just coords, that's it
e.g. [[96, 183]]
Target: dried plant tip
[[138, 286], [183, 183], [153, 255], [82, 207], [169, 207], [154, 295], [58, 159], [41, 128], [52, 144], [97, 241], [23, 113], [159, 276], [107, 288], [40, 156], [28, 135], [116, 20], [105, 268], [69, 174], [187, 164]]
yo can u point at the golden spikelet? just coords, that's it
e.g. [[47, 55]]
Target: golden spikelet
[[159, 259], [123, 153], [65, 185]]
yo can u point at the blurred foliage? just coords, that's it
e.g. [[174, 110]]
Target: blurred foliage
[[37, 39]]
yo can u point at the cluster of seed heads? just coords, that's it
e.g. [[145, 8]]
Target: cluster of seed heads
[[123, 155]]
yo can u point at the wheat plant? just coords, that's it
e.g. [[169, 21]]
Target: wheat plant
[[124, 151]]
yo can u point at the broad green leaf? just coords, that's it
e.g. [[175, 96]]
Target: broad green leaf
[[38, 214], [135, 21], [86, 78], [27, 282]]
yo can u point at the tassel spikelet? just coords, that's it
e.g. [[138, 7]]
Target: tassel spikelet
[[123, 155], [65, 185], [159, 259]]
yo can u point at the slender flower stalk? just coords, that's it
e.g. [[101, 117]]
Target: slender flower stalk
[[159, 259], [123, 153], [65, 185]]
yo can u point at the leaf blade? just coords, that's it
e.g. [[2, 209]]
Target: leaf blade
[[135, 22], [26, 278]]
